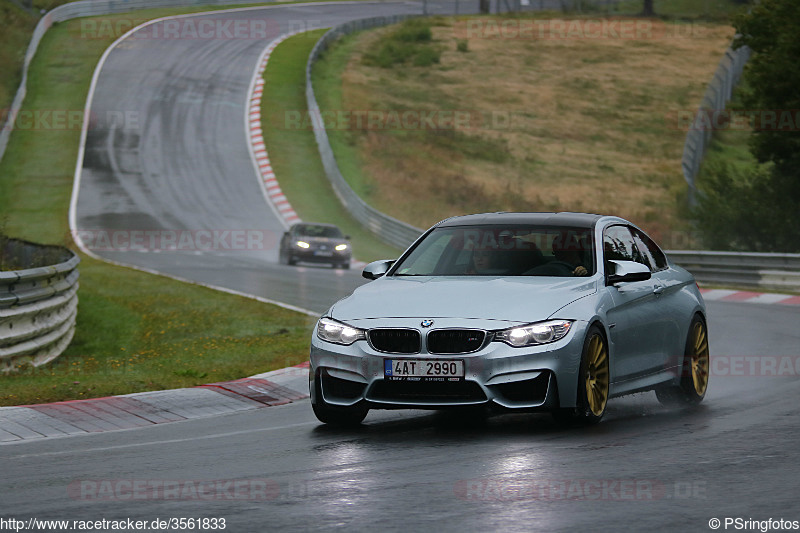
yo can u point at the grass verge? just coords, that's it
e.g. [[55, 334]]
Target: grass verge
[[18, 26], [293, 150], [17, 29], [135, 331], [583, 124]]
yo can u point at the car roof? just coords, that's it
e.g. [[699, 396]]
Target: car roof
[[581, 220]]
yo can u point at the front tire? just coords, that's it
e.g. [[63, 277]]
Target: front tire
[[594, 381], [335, 415], [339, 416], [694, 370]]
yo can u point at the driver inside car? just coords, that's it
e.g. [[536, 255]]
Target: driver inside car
[[567, 260]]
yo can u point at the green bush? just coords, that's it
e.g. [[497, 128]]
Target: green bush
[[410, 42], [426, 57], [744, 209], [413, 31]]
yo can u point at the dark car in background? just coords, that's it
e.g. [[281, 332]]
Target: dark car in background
[[315, 243]]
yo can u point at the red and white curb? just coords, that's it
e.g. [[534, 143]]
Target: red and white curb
[[272, 190], [724, 295], [277, 387], [143, 409]]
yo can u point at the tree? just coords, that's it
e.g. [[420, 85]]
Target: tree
[[648, 10], [771, 30], [756, 208]]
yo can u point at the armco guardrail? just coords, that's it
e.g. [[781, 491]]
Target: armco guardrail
[[389, 229], [780, 272], [715, 99], [38, 305]]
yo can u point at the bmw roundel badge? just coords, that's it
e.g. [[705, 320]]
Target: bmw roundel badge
[[426, 323]]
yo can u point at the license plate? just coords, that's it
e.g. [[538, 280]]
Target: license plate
[[425, 369], [323, 254]]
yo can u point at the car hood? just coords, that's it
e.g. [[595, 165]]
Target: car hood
[[518, 299]]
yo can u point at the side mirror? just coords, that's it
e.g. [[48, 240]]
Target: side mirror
[[626, 272], [376, 269]]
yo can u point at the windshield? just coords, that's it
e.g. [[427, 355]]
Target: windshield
[[330, 232], [502, 251]]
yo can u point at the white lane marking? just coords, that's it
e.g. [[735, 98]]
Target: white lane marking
[[82, 148], [768, 298], [149, 443], [716, 294], [93, 85]]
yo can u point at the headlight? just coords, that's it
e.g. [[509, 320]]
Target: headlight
[[302, 244], [341, 247], [533, 334], [338, 333]]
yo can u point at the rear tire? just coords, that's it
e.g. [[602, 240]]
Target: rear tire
[[694, 370]]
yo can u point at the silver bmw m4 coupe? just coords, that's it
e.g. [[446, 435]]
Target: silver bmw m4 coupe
[[514, 311]]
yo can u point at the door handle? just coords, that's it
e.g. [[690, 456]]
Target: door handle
[[658, 290]]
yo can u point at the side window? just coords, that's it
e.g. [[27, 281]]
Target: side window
[[618, 244], [658, 260]]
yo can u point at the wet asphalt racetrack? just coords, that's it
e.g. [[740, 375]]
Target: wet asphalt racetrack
[[186, 166], [642, 468]]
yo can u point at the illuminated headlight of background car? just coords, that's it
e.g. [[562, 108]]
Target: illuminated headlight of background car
[[534, 334], [302, 244], [341, 247], [338, 333]]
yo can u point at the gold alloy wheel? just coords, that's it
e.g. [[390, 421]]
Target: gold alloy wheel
[[597, 375], [700, 358]]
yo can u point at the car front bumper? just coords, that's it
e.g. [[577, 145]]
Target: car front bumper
[[317, 256], [535, 377]]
